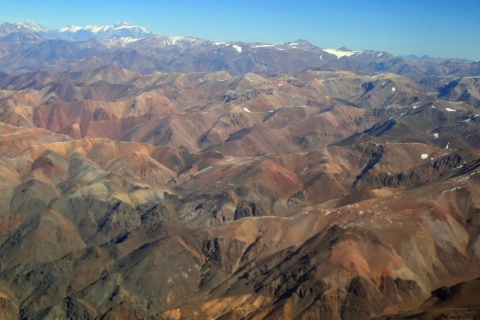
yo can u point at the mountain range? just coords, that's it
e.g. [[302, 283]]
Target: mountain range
[[28, 47], [156, 177]]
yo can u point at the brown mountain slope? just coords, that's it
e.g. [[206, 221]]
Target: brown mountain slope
[[208, 196]]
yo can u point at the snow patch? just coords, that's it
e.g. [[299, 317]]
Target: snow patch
[[456, 189], [263, 45], [435, 135], [450, 109], [424, 156], [174, 40], [202, 171], [465, 177], [448, 143], [340, 53], [238, 48], [393, 89], [304, 171], [127, 40], [70, 29], [246, 110]]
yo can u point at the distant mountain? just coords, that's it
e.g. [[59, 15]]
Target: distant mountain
[[421, 58], [22, 35], [32, 25], [430, 59], [119, 30], [28, 46], [74, 33]]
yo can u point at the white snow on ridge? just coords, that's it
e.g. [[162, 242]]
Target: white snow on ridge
[[70, 29], [32, 25], [424, 156], [340, 53], [99, 29], [263, 45], [93, 29], [130, 27], [435, 135], [393, 89], [128, 40], [175, 39], [246, 110], [238, 48], [450, 109]]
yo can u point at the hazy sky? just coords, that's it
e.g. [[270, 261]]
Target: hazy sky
[[437, 28]]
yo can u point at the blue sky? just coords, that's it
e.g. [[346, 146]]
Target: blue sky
[[438, 28]]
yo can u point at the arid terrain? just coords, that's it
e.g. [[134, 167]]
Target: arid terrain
[[154, 181]]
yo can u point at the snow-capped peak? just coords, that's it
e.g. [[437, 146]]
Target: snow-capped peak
[[119, 30], [92, 28], [32, 26], [97, 29], [125, 25]]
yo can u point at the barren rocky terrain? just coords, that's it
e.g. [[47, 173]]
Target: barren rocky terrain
[[313, 194]]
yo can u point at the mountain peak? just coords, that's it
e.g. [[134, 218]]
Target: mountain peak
[[123, 23], [32, 25], [118, 30], [7, 28], [301, 44]]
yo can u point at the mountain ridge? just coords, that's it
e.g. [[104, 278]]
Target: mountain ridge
[[127, 44]]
